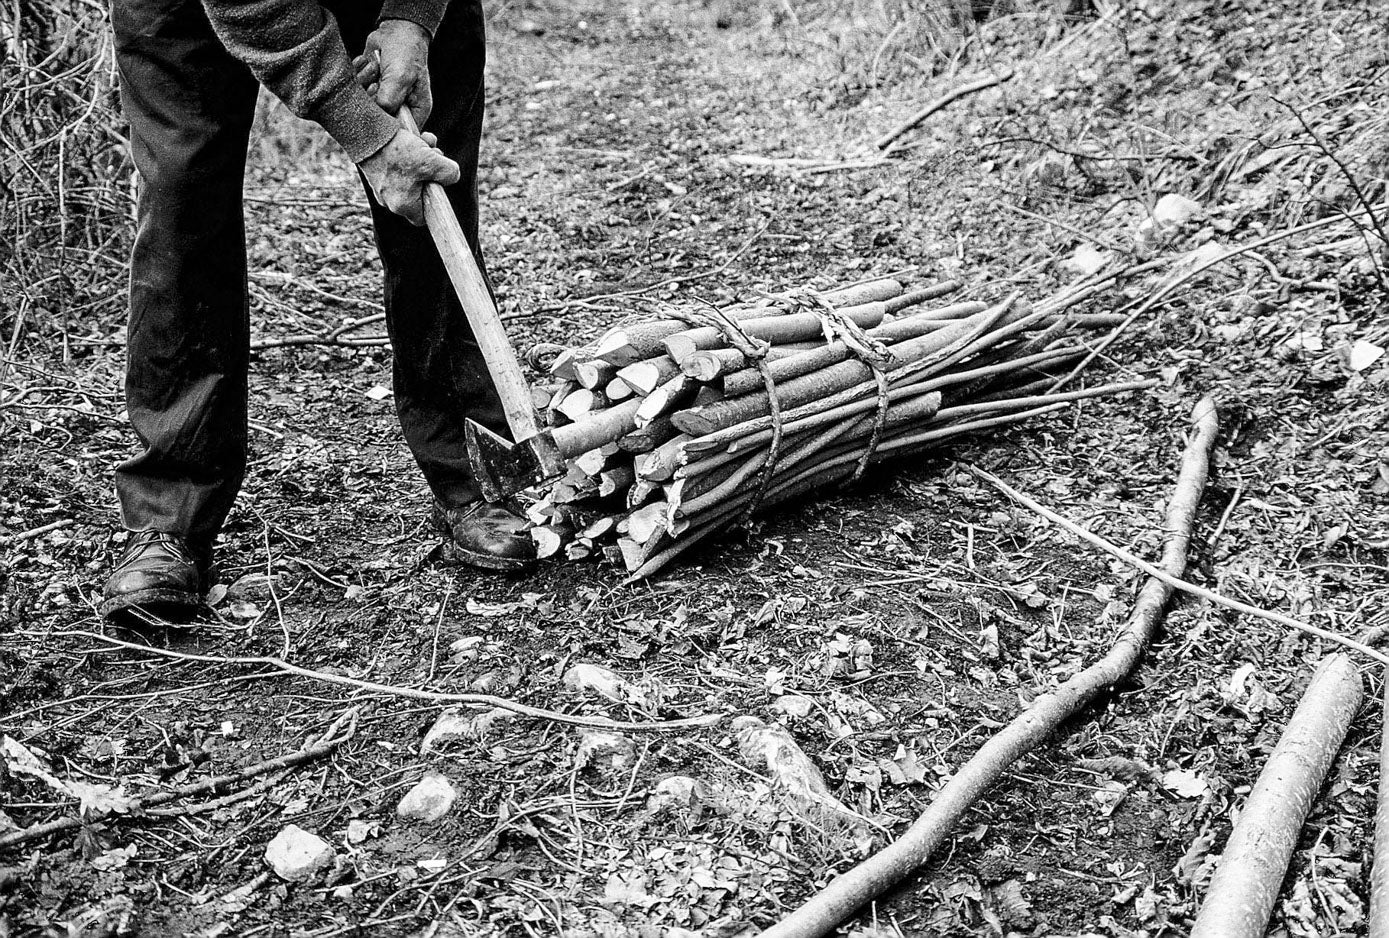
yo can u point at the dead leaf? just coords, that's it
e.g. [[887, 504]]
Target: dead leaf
[[1185, 784]]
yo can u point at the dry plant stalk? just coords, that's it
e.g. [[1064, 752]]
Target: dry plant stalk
[[823, 912], [342, 729], [281, 666], [1250, 875], [65, 192]]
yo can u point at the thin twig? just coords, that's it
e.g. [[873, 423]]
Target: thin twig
[[326, 744], [1115, 550], [35, 532], [1354, 184], [950, 97], [1172, 285], [478, 700]]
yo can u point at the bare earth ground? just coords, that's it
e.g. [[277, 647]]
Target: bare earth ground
[[612, 167]]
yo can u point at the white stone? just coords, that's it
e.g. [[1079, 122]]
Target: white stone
[[604, 750], [295, 854], [431, 798], [1087, 260], [453, 724], [1363, 354], [1176, 210], [796, 706], [599, 680]]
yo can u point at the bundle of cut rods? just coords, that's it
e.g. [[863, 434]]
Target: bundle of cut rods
[[676, 426]]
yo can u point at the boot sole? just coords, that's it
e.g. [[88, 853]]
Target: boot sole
[[454, 553], [167, 600]]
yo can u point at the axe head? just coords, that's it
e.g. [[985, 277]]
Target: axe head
[[502, 468]]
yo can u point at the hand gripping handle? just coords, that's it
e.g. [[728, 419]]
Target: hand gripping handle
[[502, 364]]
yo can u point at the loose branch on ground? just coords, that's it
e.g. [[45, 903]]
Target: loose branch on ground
[[478, 700], [330, 740], [1379, 871], [1246, 884], [35, 532], [945, 100], [337, 336], [823, 912], [1175, 581], [1167, 288]]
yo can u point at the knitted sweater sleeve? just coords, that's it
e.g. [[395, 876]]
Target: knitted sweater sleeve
[[427, 13], [294, 48]]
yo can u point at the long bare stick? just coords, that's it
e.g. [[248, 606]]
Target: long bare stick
[[479, 700], [1379, 872], [1250, 875], [35, 532], [1175, 581], [825, 910], [950, 97]]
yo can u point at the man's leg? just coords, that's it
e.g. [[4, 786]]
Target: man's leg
[[190, 106], [440, 377]]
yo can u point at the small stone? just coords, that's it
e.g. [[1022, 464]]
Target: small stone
[[253, 587], [430, 799], [1087, 260], [604, 750], [795, 706], [359, 830], [295, 854], [599, 680], [677, 795], [1176, 210], [452, 724]]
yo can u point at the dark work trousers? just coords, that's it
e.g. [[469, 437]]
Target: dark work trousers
[[190, 106]]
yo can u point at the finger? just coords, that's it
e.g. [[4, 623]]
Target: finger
[[368, 74], [442, 170], [429, 138], [394, 88], [421, 100], [413, 209]]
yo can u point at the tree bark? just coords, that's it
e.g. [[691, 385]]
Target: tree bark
[[1247, 882]]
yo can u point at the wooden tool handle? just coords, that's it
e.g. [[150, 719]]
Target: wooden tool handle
[[502, 364]]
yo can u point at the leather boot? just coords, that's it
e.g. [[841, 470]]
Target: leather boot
[[486, 536], [158, 572]]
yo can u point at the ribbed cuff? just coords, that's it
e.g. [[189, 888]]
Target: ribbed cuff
[[356, 121], [426, 13]]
